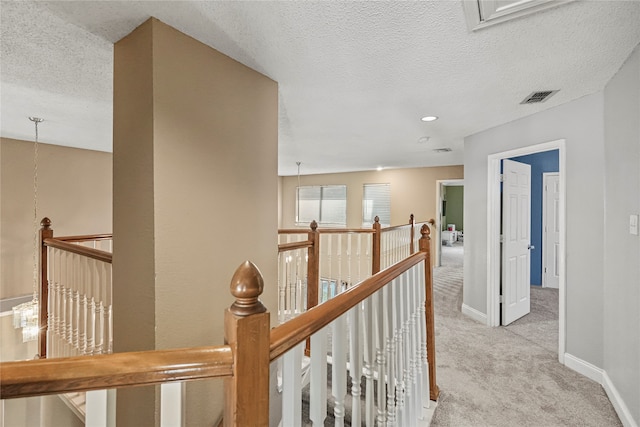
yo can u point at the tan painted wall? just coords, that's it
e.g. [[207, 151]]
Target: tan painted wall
[[412, 191], [195, 178], [74, 191]]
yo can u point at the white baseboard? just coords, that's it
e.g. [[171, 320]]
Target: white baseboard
[[616, 400], [600, 376], [474, 314], [585, 368]]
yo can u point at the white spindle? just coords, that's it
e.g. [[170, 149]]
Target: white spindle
[[338, 368], [100, 409], [282, 279], [390, 349], [292, 386], [75, 326], [82, 305], [318, 385], [379, 329], [422, 327], [369, 360], [355, 364], [172, 409]]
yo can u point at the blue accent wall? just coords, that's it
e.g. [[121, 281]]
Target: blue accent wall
[[546, 161]]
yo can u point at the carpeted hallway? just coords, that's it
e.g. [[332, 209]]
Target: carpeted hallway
[[507, 376]]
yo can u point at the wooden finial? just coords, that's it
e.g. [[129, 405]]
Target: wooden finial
[[246, 286], [45, 223], [314, 225], [376, 219], [425, 231], [411, 219]]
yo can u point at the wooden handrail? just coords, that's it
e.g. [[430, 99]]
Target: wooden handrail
[[85, 238], [82, 373], [78, 249], [293, 332], [284, 247]]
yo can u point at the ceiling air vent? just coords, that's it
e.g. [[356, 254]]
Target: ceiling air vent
[[539, 96], [442, 150]]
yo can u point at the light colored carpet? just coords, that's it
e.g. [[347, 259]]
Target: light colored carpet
[[507, 376]]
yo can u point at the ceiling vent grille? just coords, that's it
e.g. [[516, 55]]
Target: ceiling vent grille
[[537, 97], [442, 150]]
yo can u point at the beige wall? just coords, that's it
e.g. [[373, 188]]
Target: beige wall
[[413, 190], [196, 190], [74, 191]]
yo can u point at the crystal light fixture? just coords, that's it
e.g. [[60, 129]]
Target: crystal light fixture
[[25, 315]]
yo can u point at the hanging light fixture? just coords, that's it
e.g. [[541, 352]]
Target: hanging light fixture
[[25, 315]]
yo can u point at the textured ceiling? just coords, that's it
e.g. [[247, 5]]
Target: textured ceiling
[[354, 77]]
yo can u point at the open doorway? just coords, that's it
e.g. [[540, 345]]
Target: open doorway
[[450, 223], [495, 270]]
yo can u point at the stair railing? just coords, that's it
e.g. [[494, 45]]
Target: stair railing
[[75, 303], [398, 325]]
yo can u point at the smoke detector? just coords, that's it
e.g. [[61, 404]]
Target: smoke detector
[[539, 96]]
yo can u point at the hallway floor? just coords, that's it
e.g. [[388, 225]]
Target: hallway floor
[[505, 376]]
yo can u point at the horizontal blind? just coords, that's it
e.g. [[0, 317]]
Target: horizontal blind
[[326, 204], [376, 201]]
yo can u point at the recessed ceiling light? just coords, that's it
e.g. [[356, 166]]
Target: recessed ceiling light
[[429, 118]]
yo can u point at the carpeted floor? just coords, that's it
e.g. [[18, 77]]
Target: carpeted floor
[[506, 376]]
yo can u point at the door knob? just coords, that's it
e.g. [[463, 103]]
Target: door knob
[[531, 247]]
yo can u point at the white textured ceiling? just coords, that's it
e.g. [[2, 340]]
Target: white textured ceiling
[[354, 77]]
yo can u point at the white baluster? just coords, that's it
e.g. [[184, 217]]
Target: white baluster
[[100, 409], [108, 296], [172, 408], [318, 384], [399, 340], [82, 305], [338, 368], [369, 360], [75, 304], [292, 386], [282, 279], [349, 282], [355, 364], [379, 328], [390, 350]]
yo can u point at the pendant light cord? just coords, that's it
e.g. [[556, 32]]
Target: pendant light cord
[[36, 236]]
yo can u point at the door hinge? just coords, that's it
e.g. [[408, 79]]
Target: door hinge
[[501, 177], [502, 238], [501, 299], [545, 269]]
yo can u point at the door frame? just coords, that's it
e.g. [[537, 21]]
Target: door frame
[[493, 234], [438, 227], [544, 249]]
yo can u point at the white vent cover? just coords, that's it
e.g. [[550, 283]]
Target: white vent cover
[[539, 96]]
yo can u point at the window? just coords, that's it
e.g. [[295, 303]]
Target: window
[[376, 201], [327, 204]]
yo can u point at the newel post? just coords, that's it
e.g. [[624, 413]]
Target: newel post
[[425, 246], [246, 331], [43, 301], [313, 266], [375, 251]]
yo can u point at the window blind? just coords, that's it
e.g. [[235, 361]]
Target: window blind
[[376, 201]]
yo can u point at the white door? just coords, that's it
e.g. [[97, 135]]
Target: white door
[[516, 226], [551, 230]]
